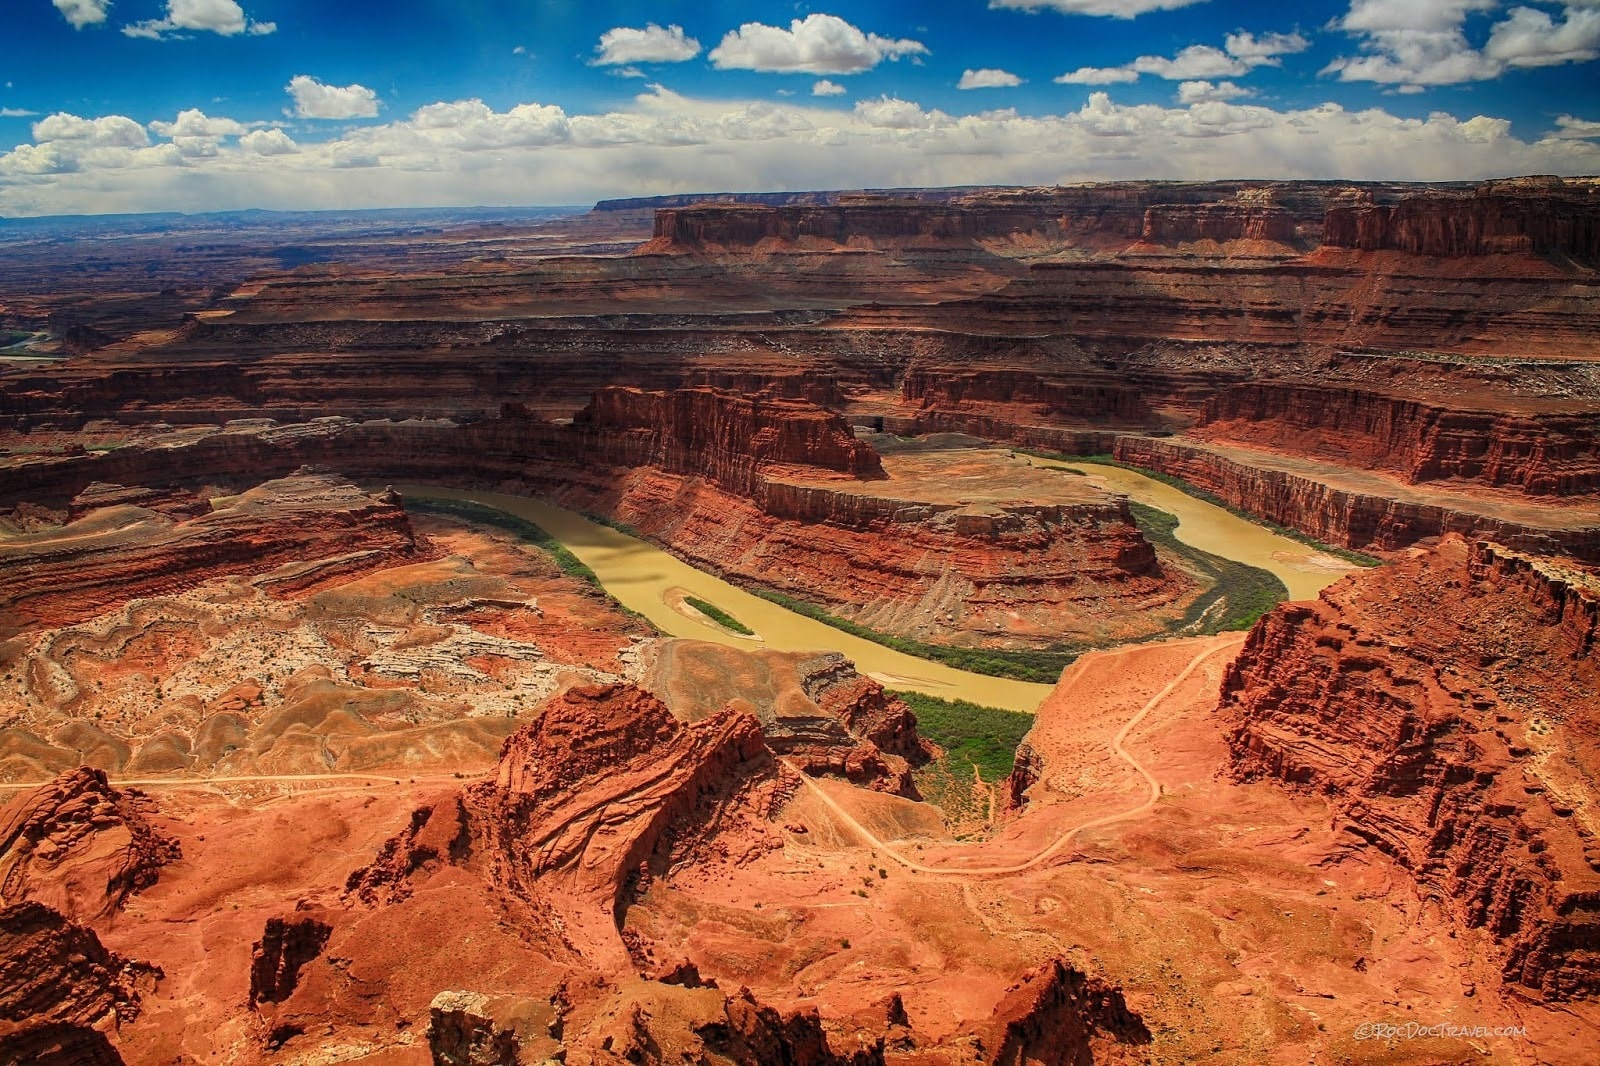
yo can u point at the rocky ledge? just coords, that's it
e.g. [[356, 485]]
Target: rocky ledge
[[1447, 707], [311, 525]]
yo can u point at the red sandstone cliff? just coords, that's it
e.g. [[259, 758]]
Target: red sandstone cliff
[[1530, 217], [731, 440], [1447, 708], [1554, 219], [1346, 517], [1105, 217], [816, 711], [822, 539], [1028, 573], [1058, 1016], [319, 523], [863, 223], [604, 785], [1552, 454], [1262, 223], [62, 993]]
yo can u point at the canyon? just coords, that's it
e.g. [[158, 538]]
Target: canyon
[[419, 785]]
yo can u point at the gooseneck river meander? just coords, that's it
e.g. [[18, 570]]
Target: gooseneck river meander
[[651, 581]]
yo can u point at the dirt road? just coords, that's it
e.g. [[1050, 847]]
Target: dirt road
[[1067, 836]]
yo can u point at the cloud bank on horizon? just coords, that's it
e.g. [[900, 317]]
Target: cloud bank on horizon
[[195, 105]]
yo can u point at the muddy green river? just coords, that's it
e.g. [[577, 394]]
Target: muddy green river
[[648, 580], [1303, 570]]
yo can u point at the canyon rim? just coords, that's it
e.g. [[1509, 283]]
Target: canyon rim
[[1014, 581]]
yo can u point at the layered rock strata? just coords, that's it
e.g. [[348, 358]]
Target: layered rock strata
[[815, 710], [603, 787], [1501, 217], [1447, 708], [793, 508], [1549, 455], [734, 441], [599, 797], [1517, 217], [62, 993], [80, 846], [319, 524], [1355, 518], [589, 793]]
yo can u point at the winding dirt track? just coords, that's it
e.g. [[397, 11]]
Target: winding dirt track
[[872, 840], [1067, 837]]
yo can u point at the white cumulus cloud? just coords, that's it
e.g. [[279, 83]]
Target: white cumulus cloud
[[268, 142], [196, 123], [1195, 61], [313, 99], [987, 78], [1098, 76], [110, 131], [653, 44], [223, 17], [1531, 38], [1265, 49], [81, 13], [1413, 44], [472, 125], [816, 44], [465, 151], [892, 113], [1571, 126], [1241, 53], [1196, 92], [824, 87]]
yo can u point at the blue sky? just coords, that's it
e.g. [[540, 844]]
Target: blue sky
[[207, 104]]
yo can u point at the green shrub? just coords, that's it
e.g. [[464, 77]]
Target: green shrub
[[1245, 592], [971, 734], [719, 616], [523, 530]]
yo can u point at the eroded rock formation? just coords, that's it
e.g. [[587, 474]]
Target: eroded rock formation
[[286, 945], [604, 786], [61, 991], [815, 711], [730, 440], [587, 795], [1447, 707], [1358, 516], [1550, 455], [1501, 217], [1059, 1016], [80, 846], [316, 525]]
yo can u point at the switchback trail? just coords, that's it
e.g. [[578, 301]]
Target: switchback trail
[[1068, 836]]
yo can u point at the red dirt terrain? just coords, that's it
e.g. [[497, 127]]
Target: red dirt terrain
[[1449, 709], [291, 772], [626, 884]]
